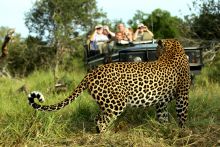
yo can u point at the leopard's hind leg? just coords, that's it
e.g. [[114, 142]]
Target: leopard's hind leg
[[112, 105]]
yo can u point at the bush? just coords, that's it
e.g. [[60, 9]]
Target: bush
[[211, 72], [26, 56]]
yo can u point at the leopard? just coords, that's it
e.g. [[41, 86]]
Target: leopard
[[117, 85]]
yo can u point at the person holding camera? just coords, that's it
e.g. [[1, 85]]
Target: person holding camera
[[111, 37], [108, 33], [142, 33], [98, 35], [123, 34], [98, 41]]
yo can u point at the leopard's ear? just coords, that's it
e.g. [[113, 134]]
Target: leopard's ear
[[160, 42]]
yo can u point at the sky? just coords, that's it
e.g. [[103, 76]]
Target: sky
[[12, 11]]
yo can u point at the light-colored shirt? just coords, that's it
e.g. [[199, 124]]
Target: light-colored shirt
[[100, 38], [144, 36]]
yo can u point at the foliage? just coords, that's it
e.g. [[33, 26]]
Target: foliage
[[139, 17], [205, 24], [61, 24], [160, 22], [17, 47], [28, 55], [65, 18], [211, 72], [58, 26]]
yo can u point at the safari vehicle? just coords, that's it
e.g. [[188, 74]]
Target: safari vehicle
[[142, 51]]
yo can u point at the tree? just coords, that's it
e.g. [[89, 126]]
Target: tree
[[205, 24], [48, 18], [138, 17], [60, 23], [160, 22]]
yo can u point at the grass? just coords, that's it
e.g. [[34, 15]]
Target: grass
[[74, 125]]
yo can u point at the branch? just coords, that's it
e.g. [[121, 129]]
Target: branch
[[5, 43]]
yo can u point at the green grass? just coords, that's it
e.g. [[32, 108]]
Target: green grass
[[74, 125]]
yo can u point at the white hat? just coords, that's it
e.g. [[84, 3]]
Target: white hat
[[98, 26], [141, 25]]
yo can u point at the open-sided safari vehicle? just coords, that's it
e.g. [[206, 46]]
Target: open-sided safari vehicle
[[140, 52]]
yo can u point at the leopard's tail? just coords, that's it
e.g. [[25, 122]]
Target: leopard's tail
[[80, 88]]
